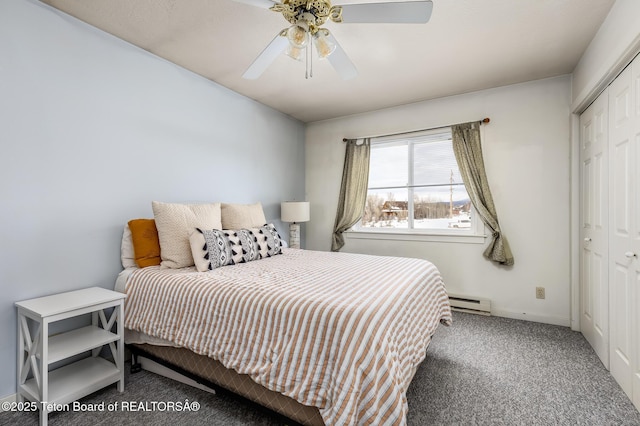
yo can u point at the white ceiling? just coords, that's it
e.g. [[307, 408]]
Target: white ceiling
[[467, 45]]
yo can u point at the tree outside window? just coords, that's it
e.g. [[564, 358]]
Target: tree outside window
[[415, 184]]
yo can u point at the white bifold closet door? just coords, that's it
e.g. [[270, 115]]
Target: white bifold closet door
[[610, 228], [624, 234], [594, 290], [635, 318]]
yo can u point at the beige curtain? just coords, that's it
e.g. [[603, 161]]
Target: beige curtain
[[353, 192], [468, 152]]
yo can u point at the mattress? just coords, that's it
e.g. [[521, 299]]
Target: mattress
[[337, 331]]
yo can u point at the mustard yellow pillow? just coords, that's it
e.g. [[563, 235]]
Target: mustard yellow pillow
[[146, 245]]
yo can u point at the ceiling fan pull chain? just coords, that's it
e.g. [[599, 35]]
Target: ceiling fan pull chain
[[306, 62], [311, 54]]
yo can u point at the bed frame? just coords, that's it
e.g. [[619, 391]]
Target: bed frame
[[205, 372]]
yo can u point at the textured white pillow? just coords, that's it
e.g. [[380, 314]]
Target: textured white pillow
[[241, 216], [127, 256], [175, 222]]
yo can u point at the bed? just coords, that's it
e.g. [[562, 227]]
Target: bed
[[322, 338]]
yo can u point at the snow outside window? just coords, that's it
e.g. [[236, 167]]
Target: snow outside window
[[415, 187]]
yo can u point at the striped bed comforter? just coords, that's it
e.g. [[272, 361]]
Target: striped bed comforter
[[342, 332]]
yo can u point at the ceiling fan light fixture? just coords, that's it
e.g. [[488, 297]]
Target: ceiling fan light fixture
[[324, 46], [296, 53], [298, 36]]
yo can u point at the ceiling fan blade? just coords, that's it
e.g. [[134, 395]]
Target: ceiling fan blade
[[409, 12], [264, 4], [268, 55], [340, 61]]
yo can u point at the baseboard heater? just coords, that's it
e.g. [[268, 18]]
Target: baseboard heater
[[470, 304]]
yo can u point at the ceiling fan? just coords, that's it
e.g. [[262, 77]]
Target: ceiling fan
[[307, 18]]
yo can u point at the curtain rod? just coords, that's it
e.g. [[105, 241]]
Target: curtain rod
[[483, 121]]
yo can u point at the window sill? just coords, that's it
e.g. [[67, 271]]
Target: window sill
[[415, 236]]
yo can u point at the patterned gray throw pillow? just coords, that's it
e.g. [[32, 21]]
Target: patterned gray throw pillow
[[228, 246]]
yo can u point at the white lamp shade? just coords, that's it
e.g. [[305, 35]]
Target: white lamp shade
[[294, 211]]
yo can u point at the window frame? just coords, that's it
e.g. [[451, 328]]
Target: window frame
[[475, 234]]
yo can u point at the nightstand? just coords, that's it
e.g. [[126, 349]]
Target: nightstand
[[37, 350]]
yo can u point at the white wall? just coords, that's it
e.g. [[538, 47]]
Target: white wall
[[92, 130], [613, 47], [526, 151]]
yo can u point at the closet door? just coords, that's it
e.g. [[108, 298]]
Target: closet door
[[624, 237], [635, 329], [594, 289]]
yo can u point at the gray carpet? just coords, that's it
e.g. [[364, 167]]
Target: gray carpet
[[480, 371], [499, 371]]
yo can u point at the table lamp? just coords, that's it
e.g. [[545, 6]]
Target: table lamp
[[294, 212]]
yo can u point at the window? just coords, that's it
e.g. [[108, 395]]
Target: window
[[415, 187]]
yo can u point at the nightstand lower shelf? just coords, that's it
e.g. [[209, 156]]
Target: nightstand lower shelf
[[74, 381]]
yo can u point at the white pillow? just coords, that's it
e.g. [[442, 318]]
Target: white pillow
[[175, 222], [127, 256], [242, 216]]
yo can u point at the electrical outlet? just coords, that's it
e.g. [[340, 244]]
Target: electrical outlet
[[539, 292]]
